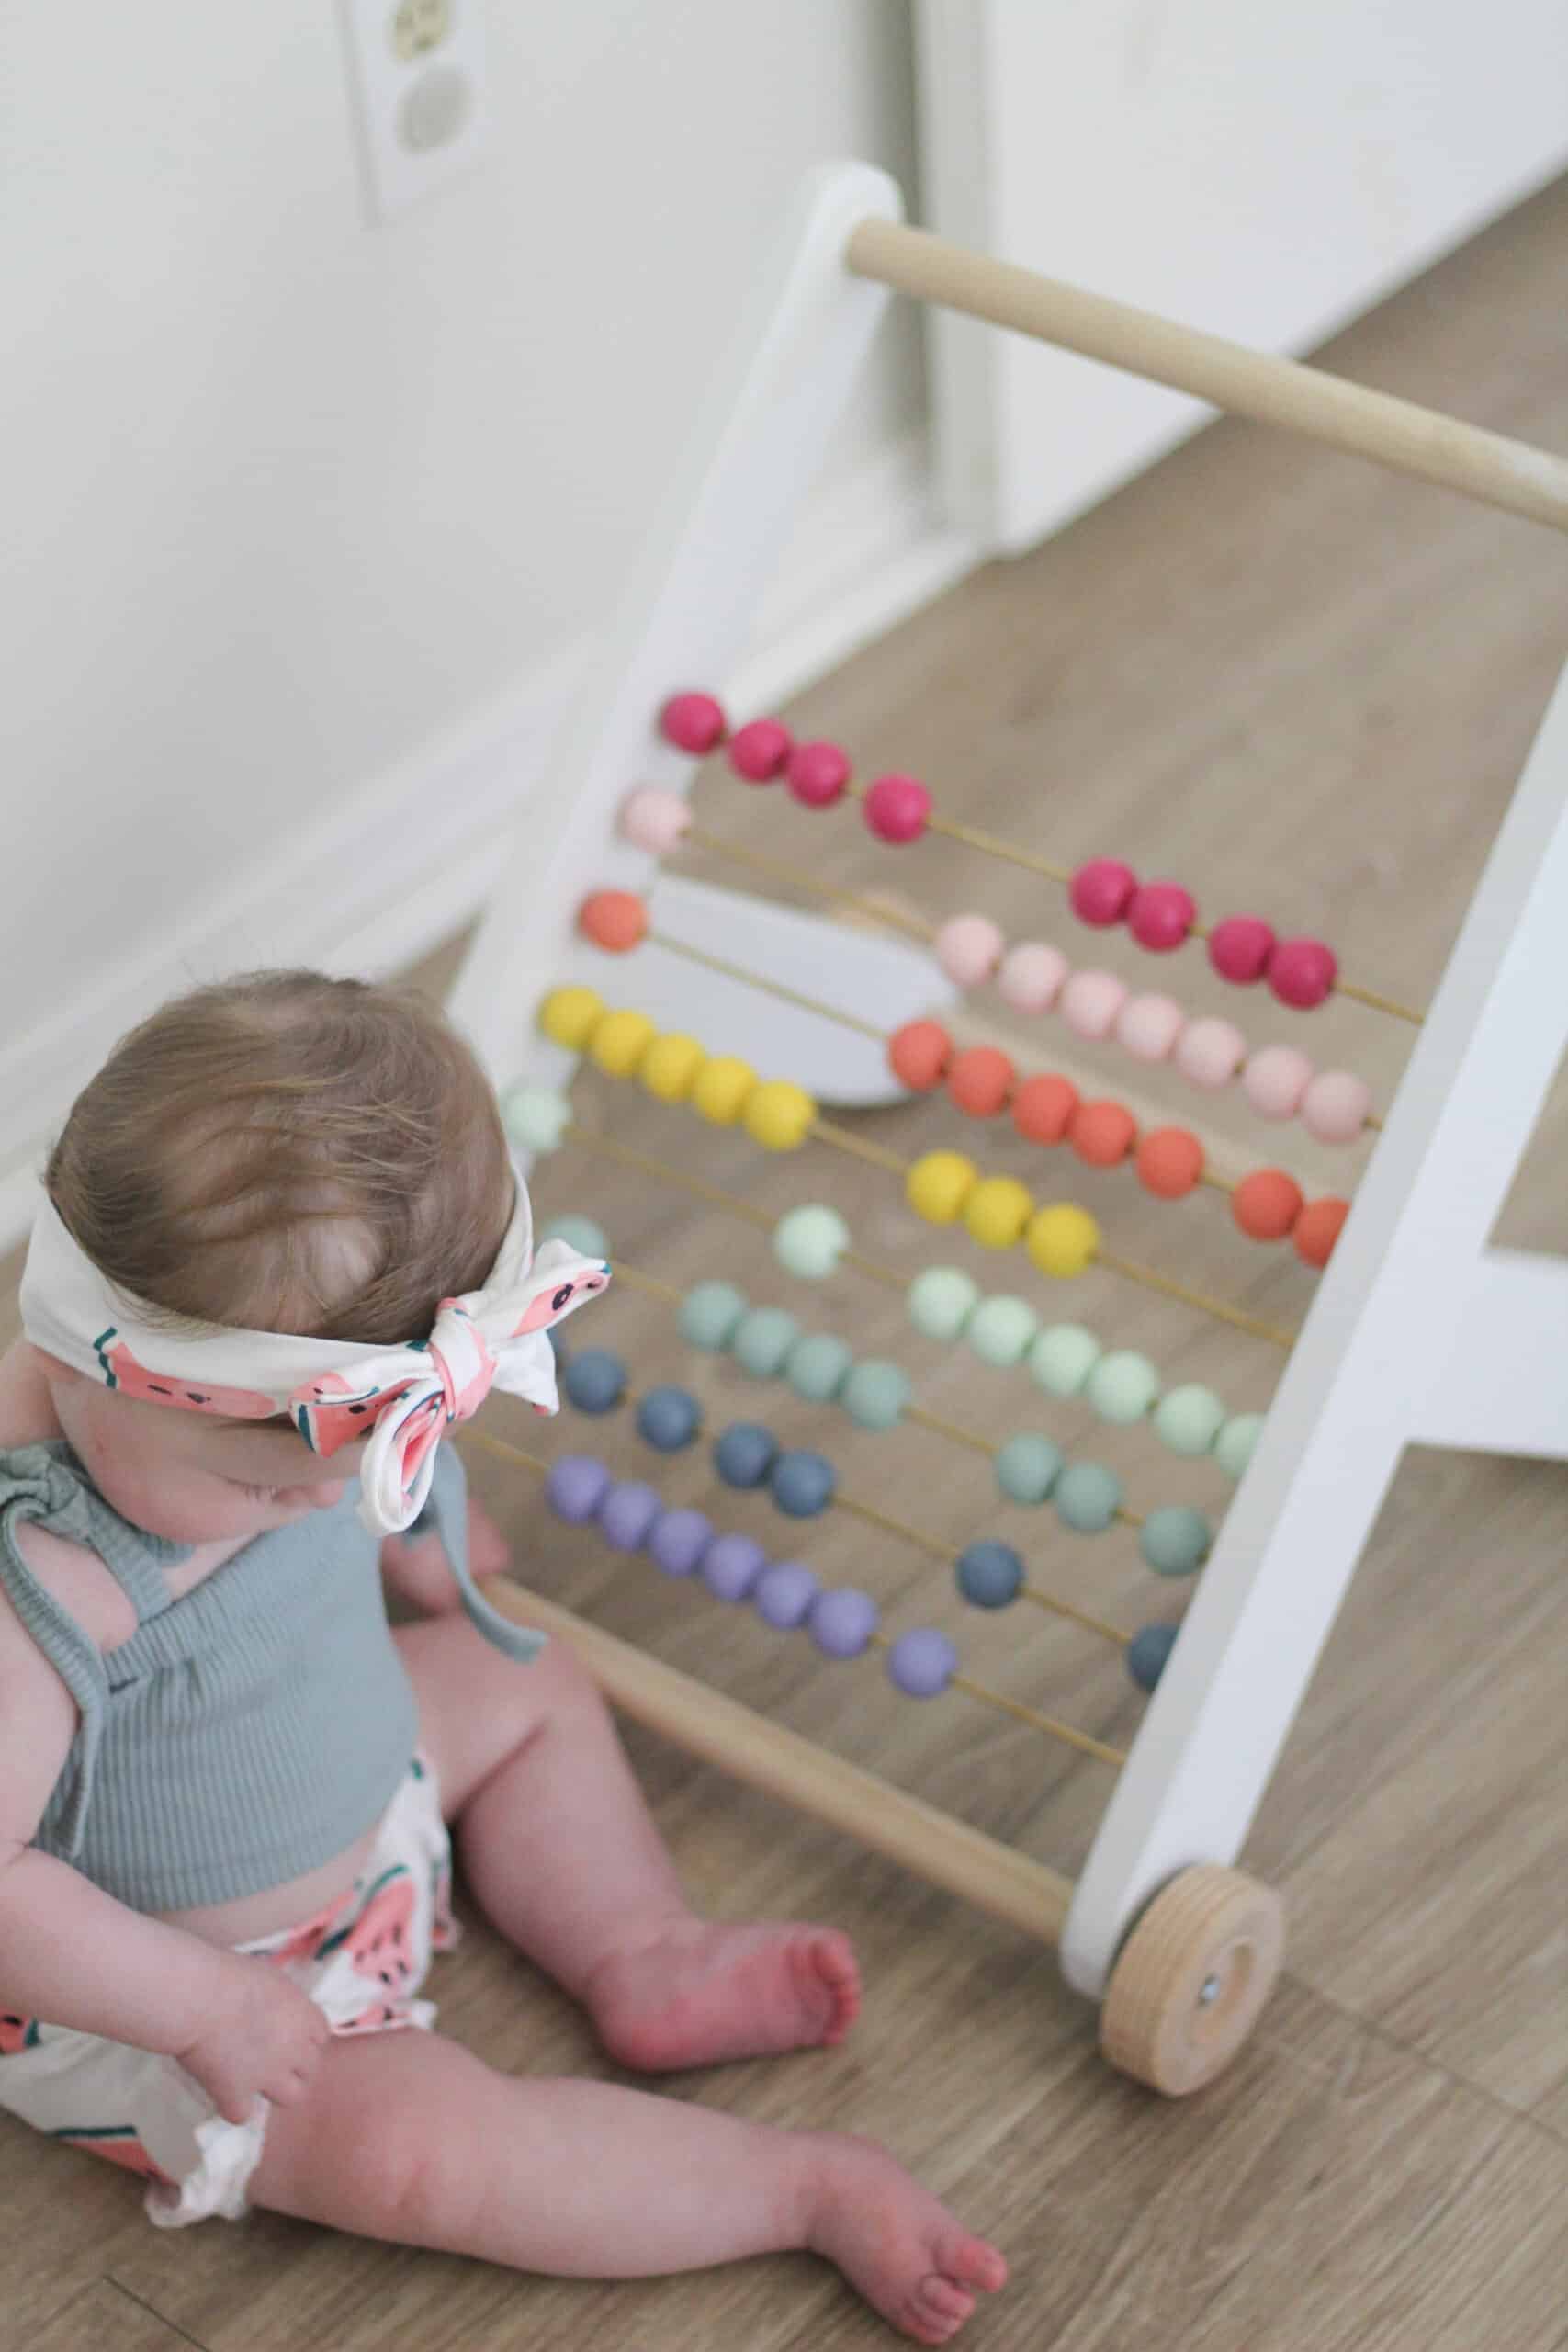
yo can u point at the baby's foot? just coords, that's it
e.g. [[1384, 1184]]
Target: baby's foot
[[894, 2240], [700, 1994]]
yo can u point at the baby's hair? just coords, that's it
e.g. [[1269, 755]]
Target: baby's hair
[[287, 1152]]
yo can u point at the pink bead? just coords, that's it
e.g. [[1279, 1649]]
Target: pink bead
[[897, 808], [1091, 1003], [1032, 976], [1275, 1079], [1301, 972], [1239, 948], [1208, 1052], [969, 948], [1101, 891], [1161, 915], [1149, 1026], [1334, 1106], [758, 750], [653, 819], [818, 773], [693, 722]]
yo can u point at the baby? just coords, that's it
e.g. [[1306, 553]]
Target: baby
[[283, 1248]]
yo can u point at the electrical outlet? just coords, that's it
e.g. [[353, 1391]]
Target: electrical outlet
[[417, 69]]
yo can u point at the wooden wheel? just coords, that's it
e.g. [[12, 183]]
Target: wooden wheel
[[1191, 1979]]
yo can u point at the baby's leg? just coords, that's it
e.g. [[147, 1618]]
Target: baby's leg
[[407, 2136], [559, 1850]]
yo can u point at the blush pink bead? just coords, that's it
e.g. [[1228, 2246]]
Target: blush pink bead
[[1032, 977], [818, 773], [1301, 972], [758, 750], [1091, 1003], [969, 948], [1160, 915], [654, 819], [1275, 1079], [1101, 891], [1239, 948], [897, 808], [1149, 1026], [1334, 1106], [693, 722], [1209, 1052]]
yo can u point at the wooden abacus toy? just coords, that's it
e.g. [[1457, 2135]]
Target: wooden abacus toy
[[757, 1014]]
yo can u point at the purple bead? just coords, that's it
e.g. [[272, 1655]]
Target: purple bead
[[841, 1622], [626, 1513], [922, 1663], [677, 1541], [783, 1594], [732, 1564], [576, 1487]]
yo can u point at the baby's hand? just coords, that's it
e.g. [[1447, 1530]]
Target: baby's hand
[[262, 2034]]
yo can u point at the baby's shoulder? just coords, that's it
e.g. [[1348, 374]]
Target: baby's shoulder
[[78, 1579]]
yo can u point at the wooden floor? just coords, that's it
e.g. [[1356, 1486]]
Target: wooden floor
[[1304, 688]]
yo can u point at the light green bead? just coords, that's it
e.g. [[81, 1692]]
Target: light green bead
[[762, 1338], [579, 1233], [809, 1242], [1121, 1386], [817, 1366], [1001, 1330], [1028, 1467], [941, 1302], [536, 1116], [1087, 1496], [1188, 1419], [1062, 1357], [1175, 1541], [709, 1314], [1233, 1446], [875, 1394]]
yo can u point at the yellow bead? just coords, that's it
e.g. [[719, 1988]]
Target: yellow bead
[[619, 1042], [998, 1210], [779, 1114], [938, 1185], [721, 1089], [669, 1067], [1062, 1239], [568, 1015]]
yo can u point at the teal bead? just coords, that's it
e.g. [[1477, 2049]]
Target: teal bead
[[1062, 1358], [875, 1394], [1001, 1330], [709, 1314], [1087, 1496], [762, 1338], [1028, 1467], [809, 1242], [579, 1233], [1234, 1445], [1188, 1419], [536, 1116], [817, 1366], [1175, 1541], [941, 1302], [1121, 1386]]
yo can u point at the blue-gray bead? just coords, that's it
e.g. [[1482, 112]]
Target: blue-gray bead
[[990, 1573], [744, 1453], [669, 1419], [802, 1483], [595, 1381], [1147, 1652]]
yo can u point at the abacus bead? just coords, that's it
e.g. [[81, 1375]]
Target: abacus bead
[[579, 1233], [1239, 948], [990, 1575], [595, 1381], [758, 750], [1334, 1106], [842, 1623], [654, 819], [762, 1338], [677, 1541], [536, 1116], [1161, 915], [816, 773], [1087, 1496], [919, 1054], [693, 722], [1121, 1386], [1318, 1229], [744, 1453], [1301, 972], [721, 1088], [614, 920], [778, 1114], [619, 1042], [801, 1483], [809, 1241], [941, 1302], [1148, 1026], [568, 1016], [709, 1314], [1001, 1330], [997, 1211], [783, 1594], [1043, 1106], [1027, 1467], [1266, 1203], [731, 1566], [1209, 1053], [1062, 1238], [1101, 891], [627, 1515], [1031, 976], [938, 1185], [897, 808], [817, 1366], [1236, 1443], [1175, 1541], [980, 1080], [875, 1394], [1276, 1079], [1169, 1162], [1188, 1419], [1091, 1003], [969, 948], [1062, 1357], [922, 1663], [669, 1069], [1147, 1653], [576, 1487], [1103, 1134], [669, 1417]]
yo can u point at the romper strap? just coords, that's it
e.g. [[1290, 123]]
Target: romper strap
[[446, 1505]]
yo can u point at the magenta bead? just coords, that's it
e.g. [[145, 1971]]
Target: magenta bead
[[1209, 1053], [1335, 1105], [969, 948], [1301, 972], [758, 750], [693, 722], [1161, 915], [655, 821], [1091, 1003], [1239, 948], [897, 808], [818, 773], [1101, 891], [1275, 1079], [1148, 1026], [1032, 976]]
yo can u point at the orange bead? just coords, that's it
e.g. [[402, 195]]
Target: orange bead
[[917, 1055], [1102, 1133], [1042, 1107], [980, 1081], [1316, 1230], [1266, 1203], [1169, 1162], [615, 919]]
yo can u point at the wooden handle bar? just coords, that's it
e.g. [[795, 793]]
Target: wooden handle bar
[[765, 1756], [1412, 440]]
